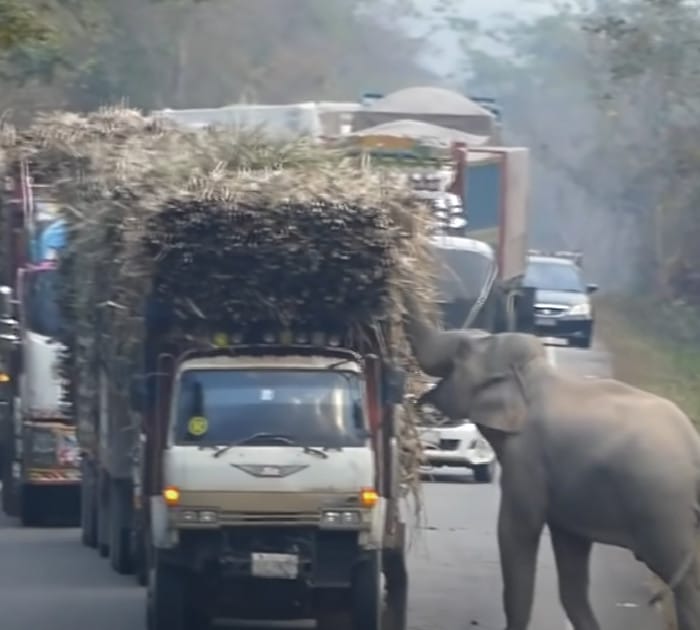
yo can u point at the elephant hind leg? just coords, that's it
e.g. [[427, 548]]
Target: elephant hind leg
[[572, 554], [676, 561], [687, 599]]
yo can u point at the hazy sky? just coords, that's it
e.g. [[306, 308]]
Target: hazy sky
[[486, 11]]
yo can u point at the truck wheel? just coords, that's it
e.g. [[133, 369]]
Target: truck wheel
[[29, 509], [103, 505], [140, 555], [10, 500], [483, 473], [120, 528], [367, 595], [88, 508], [170, 602], [396, 574]]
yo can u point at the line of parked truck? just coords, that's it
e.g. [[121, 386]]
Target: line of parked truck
[[118, 471]]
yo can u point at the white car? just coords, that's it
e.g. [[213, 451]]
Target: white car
[[458, 445]]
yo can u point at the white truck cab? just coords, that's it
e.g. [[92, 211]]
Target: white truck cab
[[271, 488]]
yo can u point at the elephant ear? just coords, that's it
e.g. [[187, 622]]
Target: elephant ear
[[500, 405], [499, 401]]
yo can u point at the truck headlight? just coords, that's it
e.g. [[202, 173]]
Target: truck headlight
[[206, 517], [341, 518], [582, 310]]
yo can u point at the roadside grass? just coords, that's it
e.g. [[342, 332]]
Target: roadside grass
[[655, 347]]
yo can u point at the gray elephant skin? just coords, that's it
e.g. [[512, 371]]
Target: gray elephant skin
[[594, 460]]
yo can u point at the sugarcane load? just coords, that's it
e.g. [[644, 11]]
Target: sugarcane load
[[232, 311]]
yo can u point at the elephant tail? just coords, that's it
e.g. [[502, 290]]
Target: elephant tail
[[682, 570]]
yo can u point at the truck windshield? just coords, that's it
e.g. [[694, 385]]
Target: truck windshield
[[309, 407], [463, 274], [41, 302]]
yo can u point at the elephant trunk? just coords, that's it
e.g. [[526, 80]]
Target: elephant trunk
[[434, 349]]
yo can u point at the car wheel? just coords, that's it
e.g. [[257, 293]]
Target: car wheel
[[484, 473], [581, 342]]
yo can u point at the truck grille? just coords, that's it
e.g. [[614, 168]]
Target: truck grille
[[269, 518]]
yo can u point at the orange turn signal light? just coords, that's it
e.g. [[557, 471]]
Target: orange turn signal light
[[4, 377], [171, 495], [368, 497]]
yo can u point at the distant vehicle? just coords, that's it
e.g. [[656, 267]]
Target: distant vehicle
[[563, 306], [456, 445]]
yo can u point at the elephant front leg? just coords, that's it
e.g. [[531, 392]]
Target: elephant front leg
[[518, 543], [572, 555]]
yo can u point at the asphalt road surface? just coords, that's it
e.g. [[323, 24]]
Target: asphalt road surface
[[48, 581]]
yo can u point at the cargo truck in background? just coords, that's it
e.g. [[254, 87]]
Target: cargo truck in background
[[479, 193], [40, 456]]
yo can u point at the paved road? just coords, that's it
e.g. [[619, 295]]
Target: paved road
[[48, 581]]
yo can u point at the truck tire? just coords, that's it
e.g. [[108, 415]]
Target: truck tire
[[10, 500], [30, 512], [103, 514], [140, 554], [367, 595], [170, 602], [88, 506], [120, 515], [396, 574]]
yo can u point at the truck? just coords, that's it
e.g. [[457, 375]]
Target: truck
[[479, 201], [40, 457], [231, 460], [283, 508]]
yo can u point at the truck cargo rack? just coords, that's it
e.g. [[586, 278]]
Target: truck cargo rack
[[272, 349], [575, 256]]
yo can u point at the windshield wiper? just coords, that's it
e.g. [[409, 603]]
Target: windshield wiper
[[276, 437]]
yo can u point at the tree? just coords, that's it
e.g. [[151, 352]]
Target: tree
[[19, 24], [182, 53]]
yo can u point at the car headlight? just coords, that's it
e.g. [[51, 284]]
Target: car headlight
[[479, 444], [583, 309], [341, 518]]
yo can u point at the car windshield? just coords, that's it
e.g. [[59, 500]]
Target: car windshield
[[41, 302], [304, 407], [554, 276]]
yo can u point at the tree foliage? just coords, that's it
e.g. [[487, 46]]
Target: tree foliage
[[188, 53], [606, 94]]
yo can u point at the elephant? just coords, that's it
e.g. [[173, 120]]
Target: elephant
[[595, 460]]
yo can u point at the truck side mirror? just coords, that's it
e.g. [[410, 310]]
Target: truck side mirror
[[591, 288], [137, 394], [394, 385]]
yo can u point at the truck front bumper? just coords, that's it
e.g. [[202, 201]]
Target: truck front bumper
[[267, 573], [320, 559]]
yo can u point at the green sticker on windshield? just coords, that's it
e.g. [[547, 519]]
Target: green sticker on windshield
[[197, 426]]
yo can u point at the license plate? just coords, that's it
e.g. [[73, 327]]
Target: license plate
[[283, 566], [545, 321]]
